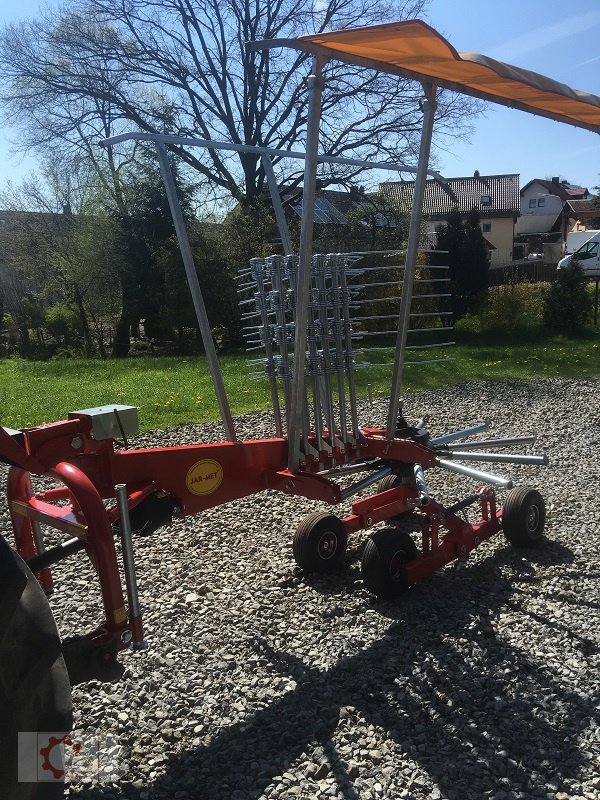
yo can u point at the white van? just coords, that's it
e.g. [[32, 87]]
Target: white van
[[576, 238], [588, 255]]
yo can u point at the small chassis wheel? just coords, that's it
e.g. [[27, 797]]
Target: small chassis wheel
[[320, 543], [523, 516], [389, 482], [403, 472], [384, 557]]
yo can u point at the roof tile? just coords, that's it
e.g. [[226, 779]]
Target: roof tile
[[462, 193]]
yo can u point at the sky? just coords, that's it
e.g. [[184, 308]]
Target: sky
[[557, 39]]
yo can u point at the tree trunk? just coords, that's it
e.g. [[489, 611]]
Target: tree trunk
[[121, 341], [85, 328]]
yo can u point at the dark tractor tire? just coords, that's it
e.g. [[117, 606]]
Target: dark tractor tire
[[320, 543], [384, 557], [35, 694], [523, 517]]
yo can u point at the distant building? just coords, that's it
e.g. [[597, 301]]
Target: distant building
[[545, 207], [496, 198]]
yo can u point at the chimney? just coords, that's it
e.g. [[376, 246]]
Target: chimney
[[556, 181]]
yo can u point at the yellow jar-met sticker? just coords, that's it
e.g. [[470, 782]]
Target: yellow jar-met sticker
[[204, 477]]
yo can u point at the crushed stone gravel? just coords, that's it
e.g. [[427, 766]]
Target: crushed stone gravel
[[261, 682]]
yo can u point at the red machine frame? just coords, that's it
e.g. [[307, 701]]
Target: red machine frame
[[90, 469]]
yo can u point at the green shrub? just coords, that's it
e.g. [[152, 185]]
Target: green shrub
[[63, 324], [568, 304], [508, 308]]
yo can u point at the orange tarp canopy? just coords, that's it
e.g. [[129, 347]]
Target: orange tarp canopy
[[414, 50]]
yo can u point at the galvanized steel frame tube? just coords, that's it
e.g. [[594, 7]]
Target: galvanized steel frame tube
[[429, 107], [296, 432], [282, 225], [197, 299]]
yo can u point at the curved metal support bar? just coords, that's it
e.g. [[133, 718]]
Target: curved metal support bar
[[478, 475], [99, 542]]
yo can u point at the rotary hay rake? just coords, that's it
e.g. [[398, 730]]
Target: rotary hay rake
[[304, 314]]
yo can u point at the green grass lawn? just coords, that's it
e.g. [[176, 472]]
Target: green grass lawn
[[170, 391]]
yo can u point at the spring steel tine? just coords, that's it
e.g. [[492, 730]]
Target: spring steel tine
[[450, 437], [348, 352], [410, 330], [276, 265], [385, 253], [356, 272], [339, 348], [320, 264], [431, 313], [371, 285], [508, 442], [429, 346], [478, 475], [428, 296], [431, 330], [499, 458], [430, 361], [266, 342]]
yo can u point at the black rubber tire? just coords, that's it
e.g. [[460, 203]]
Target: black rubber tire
[[523, 517], [385, 553], [35, 694], [389, 482], [320, 543]]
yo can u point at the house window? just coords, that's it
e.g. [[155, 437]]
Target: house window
[[532, 203], [486, 227], [541, 202], [486, 200]]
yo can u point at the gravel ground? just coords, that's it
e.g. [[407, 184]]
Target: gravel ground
[[259, 682]]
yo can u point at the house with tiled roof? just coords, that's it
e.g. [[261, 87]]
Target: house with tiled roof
[[583, 214], [496, 198], [547, 210]]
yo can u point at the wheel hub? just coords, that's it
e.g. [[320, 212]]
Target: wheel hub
[[397, 563], [533, 518], [327, 545]]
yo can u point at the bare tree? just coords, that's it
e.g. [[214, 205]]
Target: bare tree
[[98, 67]]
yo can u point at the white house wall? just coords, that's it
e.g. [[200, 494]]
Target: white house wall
[[539, 210]]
